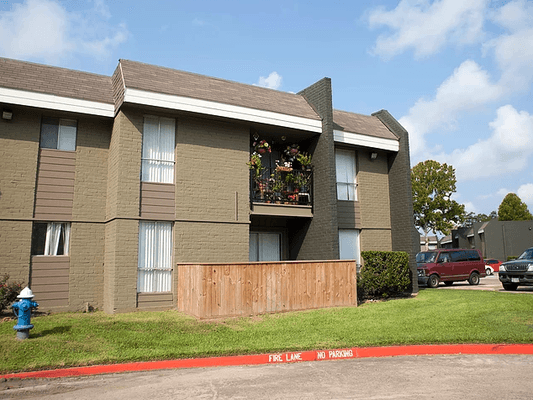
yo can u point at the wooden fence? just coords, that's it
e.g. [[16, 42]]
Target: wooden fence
[[239, 289]]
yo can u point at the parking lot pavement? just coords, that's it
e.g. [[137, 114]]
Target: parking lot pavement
[[491, 282]]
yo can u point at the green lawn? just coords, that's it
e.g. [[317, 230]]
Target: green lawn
[[434, 316]]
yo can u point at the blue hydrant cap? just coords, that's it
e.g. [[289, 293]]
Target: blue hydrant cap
[[26, 294]]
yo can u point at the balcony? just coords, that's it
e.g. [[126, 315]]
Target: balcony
[[281, 179], [282, 191]]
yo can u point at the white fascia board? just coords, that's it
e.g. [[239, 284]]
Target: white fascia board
[[53, 102], [446, 242], [366, 141], [172, 102]]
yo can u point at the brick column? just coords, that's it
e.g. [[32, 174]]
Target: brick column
[[321, 241], [404, 236]]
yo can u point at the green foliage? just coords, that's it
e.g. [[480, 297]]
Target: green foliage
[[471, 218], [304, 159], [256, 165], [433, 185], [385, 274], [512, 208], [8, 292], [511, 258]]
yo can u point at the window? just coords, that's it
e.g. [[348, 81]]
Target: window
[[155, 257], [265, 246], [349, 245], [50, 239], [158, 150], [346, 175], [58, 133]]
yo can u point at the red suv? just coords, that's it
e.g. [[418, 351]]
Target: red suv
[[448, 266]]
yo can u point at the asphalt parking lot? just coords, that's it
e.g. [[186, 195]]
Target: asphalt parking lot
[[491, 282]]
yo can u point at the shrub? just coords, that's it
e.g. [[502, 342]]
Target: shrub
[[511, 258], [8, 292], [384, 274]]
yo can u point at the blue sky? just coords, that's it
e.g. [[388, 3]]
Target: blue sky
[[457, 74]]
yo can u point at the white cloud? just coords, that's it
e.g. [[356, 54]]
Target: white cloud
[[272, 81], [45, 30], [468, 88], [470, 207], [508, 149], [427, 27], [525, 192], [471, 86], [503, 192]]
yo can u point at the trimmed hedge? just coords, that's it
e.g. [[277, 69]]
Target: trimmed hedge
[[384, 274], [8, 292]]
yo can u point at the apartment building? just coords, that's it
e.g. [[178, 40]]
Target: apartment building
[[107, 182]]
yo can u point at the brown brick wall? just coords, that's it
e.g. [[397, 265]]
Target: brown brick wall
[[375, 239], [373, 190], [86, 279], [90, 186], [15, 249], [124, 166], [210, 242], [404, 237], [211, 171], [19, 148], [120, 265], [321, 241]]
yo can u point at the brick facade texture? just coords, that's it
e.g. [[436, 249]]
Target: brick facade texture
[[373, 196], [212, 179], [401, 196], [321, 241], [15, 244], [19, 151]]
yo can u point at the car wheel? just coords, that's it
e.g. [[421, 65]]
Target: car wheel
[[509, 286], [433, 281], [448, 283], [474, 278], [488, 271]]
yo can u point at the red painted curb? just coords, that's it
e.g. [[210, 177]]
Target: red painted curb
[[281, 358]]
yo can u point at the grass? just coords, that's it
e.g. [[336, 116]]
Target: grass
[[434, 316]]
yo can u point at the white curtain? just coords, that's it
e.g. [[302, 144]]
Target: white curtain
[[158, 150], [54, 233], [66, 139], [349, 245], [346, 174], [265, 246], [155, 257]]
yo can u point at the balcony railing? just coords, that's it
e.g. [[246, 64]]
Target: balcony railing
[[282, 185]]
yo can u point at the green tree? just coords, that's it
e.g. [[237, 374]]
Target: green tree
[[512, 208], [471, 218], [433, 185]]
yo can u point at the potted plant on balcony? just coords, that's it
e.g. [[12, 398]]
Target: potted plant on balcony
[[262, 147], [305, 160], [255, 165]]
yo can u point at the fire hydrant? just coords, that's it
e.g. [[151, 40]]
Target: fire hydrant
[[22, 310]]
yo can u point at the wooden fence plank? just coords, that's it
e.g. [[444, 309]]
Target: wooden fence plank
[[221, 290]]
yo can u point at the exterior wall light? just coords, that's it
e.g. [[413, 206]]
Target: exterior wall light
[[373, 156], [7, 114]]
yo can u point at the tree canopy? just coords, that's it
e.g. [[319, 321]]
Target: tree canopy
[[512, 208], [471, 218], [433, 185]]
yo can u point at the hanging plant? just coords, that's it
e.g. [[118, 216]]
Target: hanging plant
[[262, 147]]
